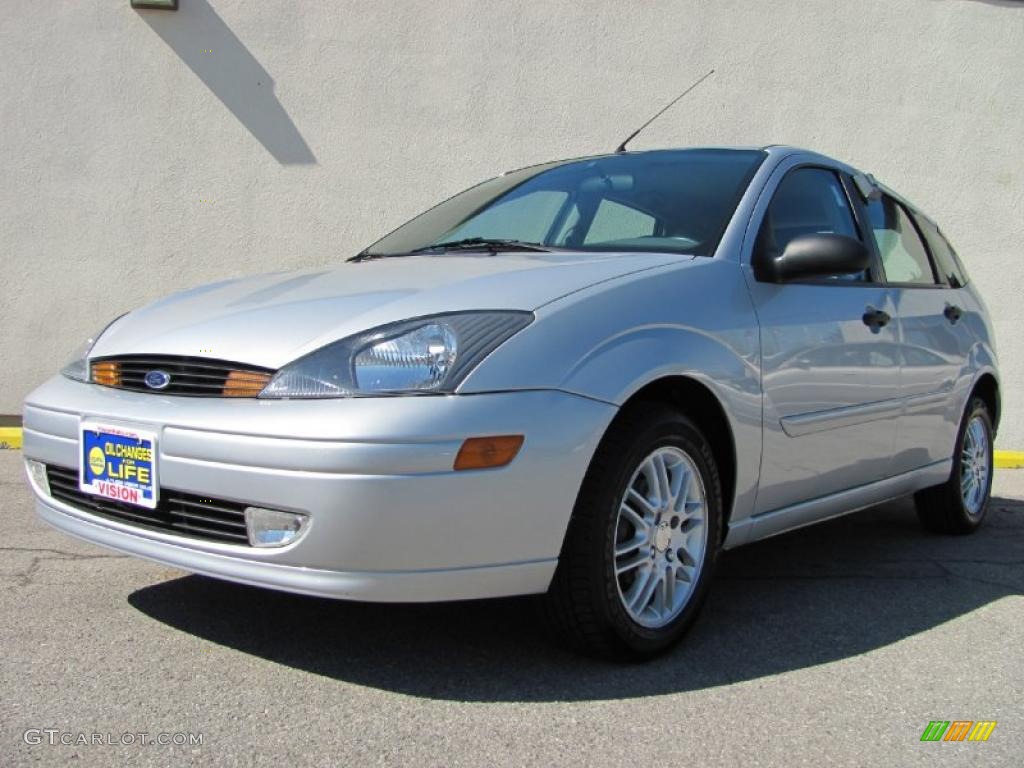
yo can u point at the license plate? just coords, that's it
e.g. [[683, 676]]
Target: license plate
[[118, 463]]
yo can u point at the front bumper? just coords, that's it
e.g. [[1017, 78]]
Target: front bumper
[[389, 518]]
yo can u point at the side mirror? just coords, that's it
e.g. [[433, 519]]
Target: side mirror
[[806, 256]]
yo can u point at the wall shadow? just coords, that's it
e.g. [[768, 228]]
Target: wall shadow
[[211, 50], [1002, 3], [824, 593]]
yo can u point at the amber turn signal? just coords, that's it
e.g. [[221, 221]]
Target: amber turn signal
[[106, 373], [245, 383], [487, 452]]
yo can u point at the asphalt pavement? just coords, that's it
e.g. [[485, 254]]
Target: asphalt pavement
[[834, 645]]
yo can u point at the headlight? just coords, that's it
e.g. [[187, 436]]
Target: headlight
[[429, 354], [78, 367]]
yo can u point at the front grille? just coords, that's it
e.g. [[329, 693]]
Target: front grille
[[183, 514], [189, 376]]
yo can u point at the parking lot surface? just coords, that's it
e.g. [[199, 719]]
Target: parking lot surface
[[836, 645]]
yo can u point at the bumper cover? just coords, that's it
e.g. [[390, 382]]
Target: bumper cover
[[389, 519]]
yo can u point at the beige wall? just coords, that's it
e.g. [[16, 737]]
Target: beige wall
[[142, 152]]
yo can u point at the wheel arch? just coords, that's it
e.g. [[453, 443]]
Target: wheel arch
[[987, 388], [700, 404]]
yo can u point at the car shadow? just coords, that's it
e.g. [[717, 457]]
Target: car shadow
[[821, 594]]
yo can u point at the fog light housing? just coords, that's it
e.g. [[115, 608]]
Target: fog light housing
[[37, 471], [272, 527]]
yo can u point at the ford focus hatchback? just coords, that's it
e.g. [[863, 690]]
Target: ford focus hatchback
[[582, 379]]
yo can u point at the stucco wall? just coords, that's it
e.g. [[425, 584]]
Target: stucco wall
[[144, 152]]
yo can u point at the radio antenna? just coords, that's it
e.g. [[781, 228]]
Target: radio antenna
[[633, 135]]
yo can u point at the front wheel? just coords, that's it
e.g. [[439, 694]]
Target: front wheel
[[642, 540], [959, 505]]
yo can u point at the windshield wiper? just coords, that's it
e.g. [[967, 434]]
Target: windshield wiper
[[494, 245], [491, 244]]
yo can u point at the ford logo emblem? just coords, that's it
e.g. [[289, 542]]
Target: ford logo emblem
[[157, 379]]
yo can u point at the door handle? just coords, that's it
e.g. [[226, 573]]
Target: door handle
[[953, 313], [875, 318]]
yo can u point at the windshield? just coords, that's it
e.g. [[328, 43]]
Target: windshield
[[667, 200]]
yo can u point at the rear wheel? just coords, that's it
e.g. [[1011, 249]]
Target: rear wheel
[[643, 538], [959, 505]]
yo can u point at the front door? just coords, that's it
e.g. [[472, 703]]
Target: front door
[[830, 357]]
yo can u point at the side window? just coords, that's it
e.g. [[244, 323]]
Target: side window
[[615, 221], [808, 201], [904, 256], [946, 260]]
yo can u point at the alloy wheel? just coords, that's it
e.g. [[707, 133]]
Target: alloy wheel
[[975, 466], [660, 537]]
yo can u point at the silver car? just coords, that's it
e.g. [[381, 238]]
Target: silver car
[[583, 379]]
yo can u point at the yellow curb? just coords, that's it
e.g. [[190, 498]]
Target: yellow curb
[[10, 437], [1010, 459]]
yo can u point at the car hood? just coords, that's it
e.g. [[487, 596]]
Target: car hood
[[269, 320]]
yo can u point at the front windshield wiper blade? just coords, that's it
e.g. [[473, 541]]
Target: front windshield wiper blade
[[366, 256], [492, 244]]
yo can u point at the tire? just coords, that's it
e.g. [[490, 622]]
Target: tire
[[589, 601], [949, 508]]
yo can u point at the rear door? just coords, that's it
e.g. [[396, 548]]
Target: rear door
[[830, 368], [934, 342]]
